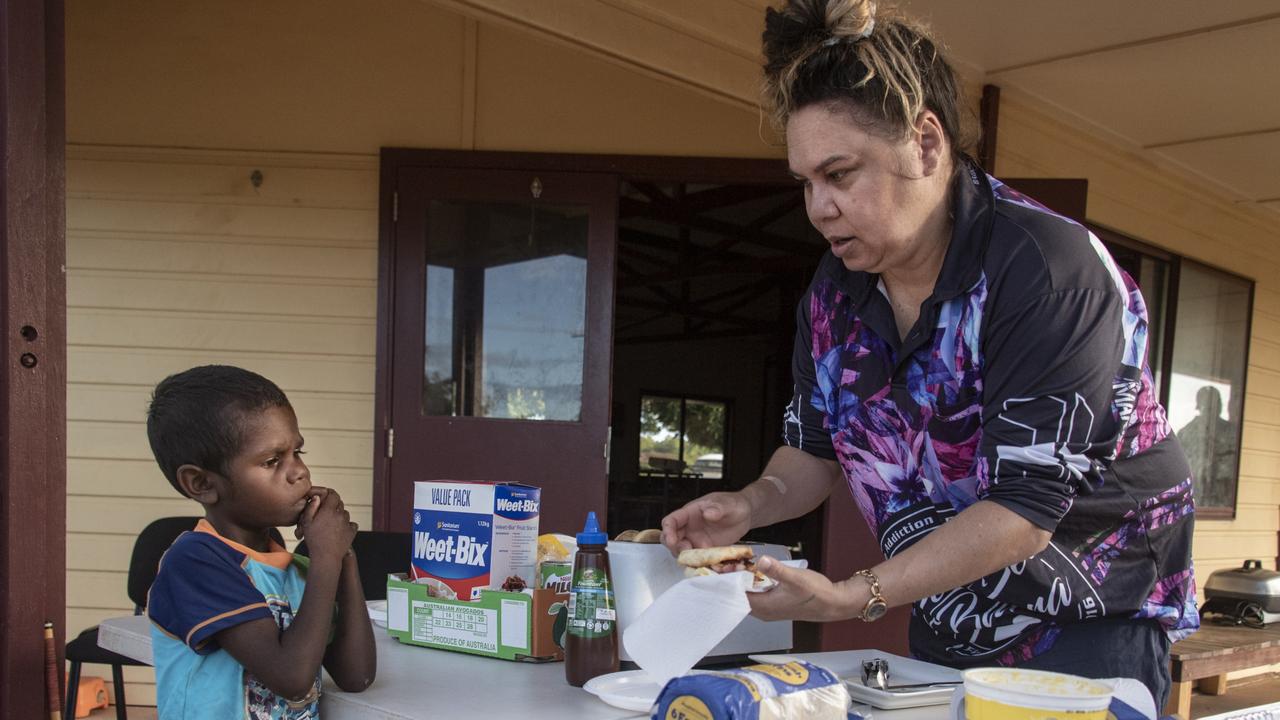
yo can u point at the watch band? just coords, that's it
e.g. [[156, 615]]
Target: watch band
[[876, 605]]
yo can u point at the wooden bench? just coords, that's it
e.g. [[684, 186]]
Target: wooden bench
[[1215, 650]]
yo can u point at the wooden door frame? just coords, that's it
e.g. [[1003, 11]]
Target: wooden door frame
[[656, 168], [33, 383]]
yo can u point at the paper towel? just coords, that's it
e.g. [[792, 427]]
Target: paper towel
[[684, 623]]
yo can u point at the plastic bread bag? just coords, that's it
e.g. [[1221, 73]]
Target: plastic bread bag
[[789, 691]]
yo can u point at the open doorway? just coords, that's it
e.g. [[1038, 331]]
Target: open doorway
[[708, 276]]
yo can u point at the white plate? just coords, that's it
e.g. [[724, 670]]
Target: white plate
[[629, 689], [847, 665], [377, 612]]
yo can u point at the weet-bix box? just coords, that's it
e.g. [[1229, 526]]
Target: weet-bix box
[[470, 536]]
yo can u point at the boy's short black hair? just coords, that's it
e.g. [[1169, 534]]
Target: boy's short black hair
[[197, 416]]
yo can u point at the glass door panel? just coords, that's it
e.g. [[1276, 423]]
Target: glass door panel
[[506, 310]]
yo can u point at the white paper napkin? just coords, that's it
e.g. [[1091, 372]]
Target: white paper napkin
[[684, 623], [687, 621]]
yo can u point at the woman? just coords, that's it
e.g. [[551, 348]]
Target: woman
[[973, 367]]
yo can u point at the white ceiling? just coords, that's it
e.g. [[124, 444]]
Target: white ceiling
[[1190, 82]]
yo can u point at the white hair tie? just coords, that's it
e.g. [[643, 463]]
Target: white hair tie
[[836, 39], [871, 24]]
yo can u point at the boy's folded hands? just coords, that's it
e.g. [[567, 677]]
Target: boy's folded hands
[[314, 496], [326, 525]]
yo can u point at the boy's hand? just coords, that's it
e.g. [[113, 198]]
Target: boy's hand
[[314, 496], [329, 531]]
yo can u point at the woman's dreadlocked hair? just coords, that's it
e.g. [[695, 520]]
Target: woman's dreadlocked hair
[[882, 67]]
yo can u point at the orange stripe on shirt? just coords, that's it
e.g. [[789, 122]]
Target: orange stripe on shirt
[[216, 618], [278, 557]]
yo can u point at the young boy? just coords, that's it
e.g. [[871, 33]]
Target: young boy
[[239, 625]]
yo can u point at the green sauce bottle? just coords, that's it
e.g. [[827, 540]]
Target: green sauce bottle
[[591, 642]]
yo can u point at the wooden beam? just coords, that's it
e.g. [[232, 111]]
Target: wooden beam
[[649, 190], [739, 266], [990, 117], [707, 335], [1213, 685], [692, 310], [635, 249], [33, 422], [727, 195], [630, 207], [757, 224], [1179, 702], [734, 295]]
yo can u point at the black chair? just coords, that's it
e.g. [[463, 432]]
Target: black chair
[[147, 549], [151, 544], [378, 553]]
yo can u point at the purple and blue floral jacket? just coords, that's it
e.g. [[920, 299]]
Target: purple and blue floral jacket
[[1024, 382]]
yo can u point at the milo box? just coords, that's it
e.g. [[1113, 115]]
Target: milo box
[[473, 536], [556, 576]]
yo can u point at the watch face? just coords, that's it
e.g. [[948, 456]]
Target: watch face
[[875, 610]]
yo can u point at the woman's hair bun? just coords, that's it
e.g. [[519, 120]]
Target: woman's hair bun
[[802, 26]]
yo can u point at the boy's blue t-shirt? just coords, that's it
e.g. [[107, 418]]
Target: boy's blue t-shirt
[[206, 584]]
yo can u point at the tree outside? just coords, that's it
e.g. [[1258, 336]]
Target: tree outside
[[676, 431]]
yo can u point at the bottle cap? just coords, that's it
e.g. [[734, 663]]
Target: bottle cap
[[591, 534]]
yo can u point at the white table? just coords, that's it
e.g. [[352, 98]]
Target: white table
[[416, 682], [130, 636]]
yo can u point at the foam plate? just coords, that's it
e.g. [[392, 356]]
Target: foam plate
[[628, 689]]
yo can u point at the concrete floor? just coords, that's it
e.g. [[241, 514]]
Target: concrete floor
[[1243, 693]]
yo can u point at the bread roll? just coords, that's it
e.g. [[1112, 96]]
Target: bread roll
[[705, 557], [651, 536]]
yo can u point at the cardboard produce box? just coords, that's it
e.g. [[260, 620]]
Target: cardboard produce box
[[526, 626]]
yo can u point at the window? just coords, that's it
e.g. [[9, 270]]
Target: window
[[505, 311], [1206, 388], [683, 436], [1198, 348]]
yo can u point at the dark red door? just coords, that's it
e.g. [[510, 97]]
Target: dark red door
[[502, 335]]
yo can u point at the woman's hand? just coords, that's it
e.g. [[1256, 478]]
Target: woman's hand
[[328, 528], [805, 595], [720, 518]]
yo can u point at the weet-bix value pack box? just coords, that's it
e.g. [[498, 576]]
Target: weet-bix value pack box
[[471, 536]]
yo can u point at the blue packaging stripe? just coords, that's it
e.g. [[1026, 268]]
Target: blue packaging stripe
[[736, 694], [452, 545], [516, 503]]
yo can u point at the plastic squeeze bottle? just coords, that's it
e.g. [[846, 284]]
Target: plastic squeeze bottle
[[591, 642]]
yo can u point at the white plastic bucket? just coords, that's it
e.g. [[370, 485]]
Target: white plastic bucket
[[1015, 694]]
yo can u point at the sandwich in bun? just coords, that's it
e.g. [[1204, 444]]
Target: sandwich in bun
[[652, 536], [721, 560]]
